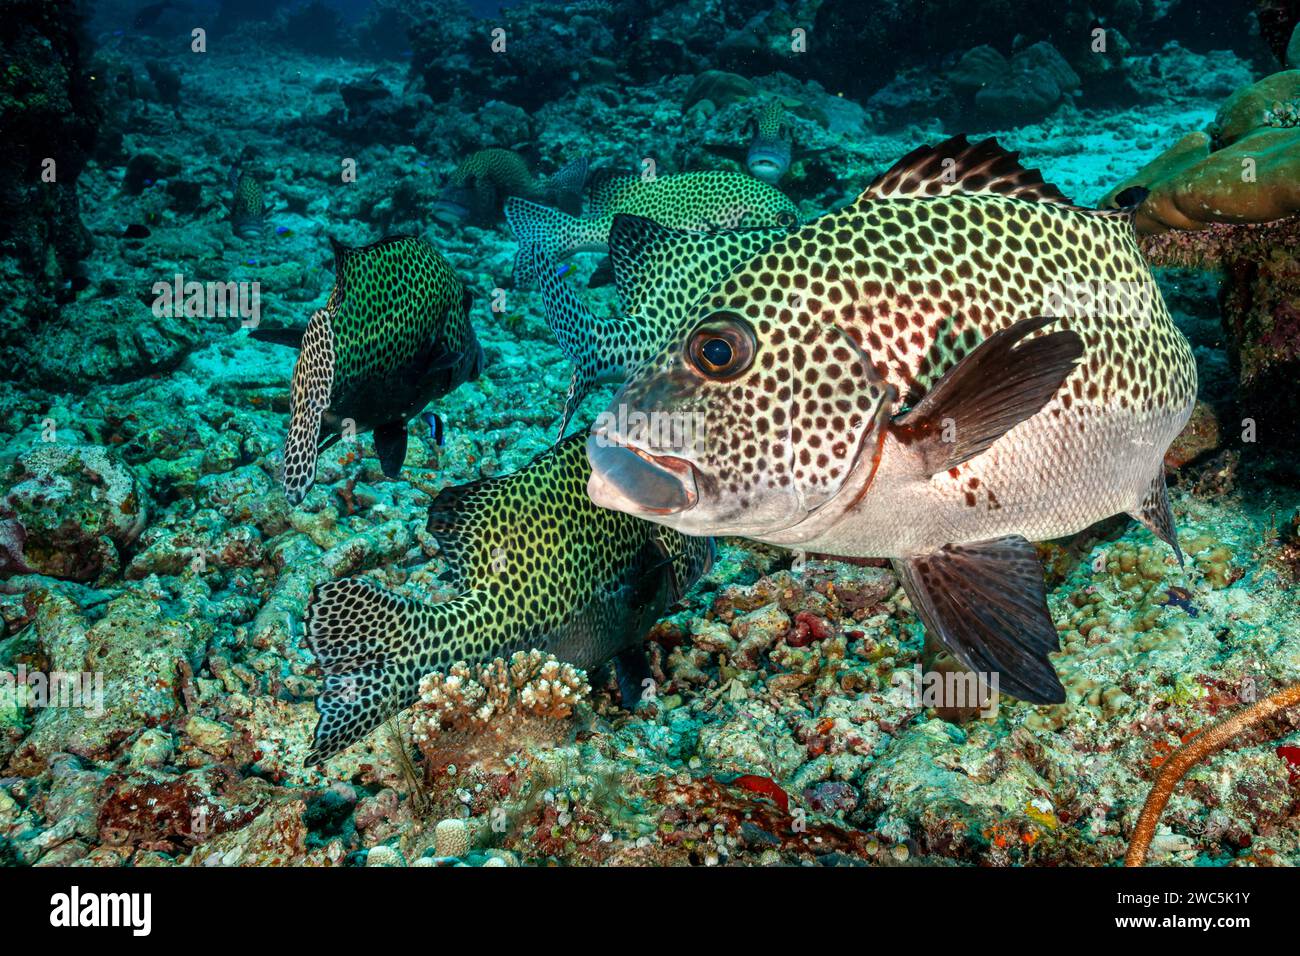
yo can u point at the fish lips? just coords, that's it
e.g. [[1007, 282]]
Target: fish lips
[[629, 479], [766, 166]]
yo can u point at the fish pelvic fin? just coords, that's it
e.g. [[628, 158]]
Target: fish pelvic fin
[[370, 644], [1155, 512], [991, 390], [986, 602], [309, 397]]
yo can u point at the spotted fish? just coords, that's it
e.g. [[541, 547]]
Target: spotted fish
[[394, 335], [248, 209], [771, 148], [692, 201], [769, 151], [658, 272], [537, 566], [958, 363], [477, 187]]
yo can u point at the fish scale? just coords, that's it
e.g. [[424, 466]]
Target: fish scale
[[957, 363], [538, 566]]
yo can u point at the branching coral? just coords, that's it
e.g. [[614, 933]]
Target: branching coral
[[530, 685], [1200, 747]]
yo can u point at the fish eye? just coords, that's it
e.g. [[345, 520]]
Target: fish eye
[[717, 352], [722, 347], [785, 219]]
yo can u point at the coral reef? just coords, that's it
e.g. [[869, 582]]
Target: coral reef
[[49, 114], [1228, 198], [156, 696]]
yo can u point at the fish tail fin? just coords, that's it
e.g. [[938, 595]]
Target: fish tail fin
[[368, 641], [309, 397], [566, 185], [556, 232], [573, 323]]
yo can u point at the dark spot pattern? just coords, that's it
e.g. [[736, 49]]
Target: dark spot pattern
[[538, 565], [399, 336], [911, 280]]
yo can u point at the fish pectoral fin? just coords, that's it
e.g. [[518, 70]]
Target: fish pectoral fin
[[390, 445], [986, 602], [1155, 513], [290, 337], [990, 391]]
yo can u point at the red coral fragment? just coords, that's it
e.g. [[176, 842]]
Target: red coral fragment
[[1291, 755], [765, 786], [808, 627]]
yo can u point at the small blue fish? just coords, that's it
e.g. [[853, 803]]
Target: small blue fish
[[1181, 597], [437, 434]]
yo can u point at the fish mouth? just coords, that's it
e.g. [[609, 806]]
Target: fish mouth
[[630, 479], [449, 212], [768, 170]]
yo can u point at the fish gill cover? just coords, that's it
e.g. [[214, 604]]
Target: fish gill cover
[[709, 433]]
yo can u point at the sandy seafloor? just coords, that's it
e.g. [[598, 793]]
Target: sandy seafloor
[[209, 690]]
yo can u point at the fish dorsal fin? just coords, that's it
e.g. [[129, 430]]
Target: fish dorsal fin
[[956, 166], [606, 188], [481, 525], [453, 517], [634, 243], [341, 253], [658, 270]]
